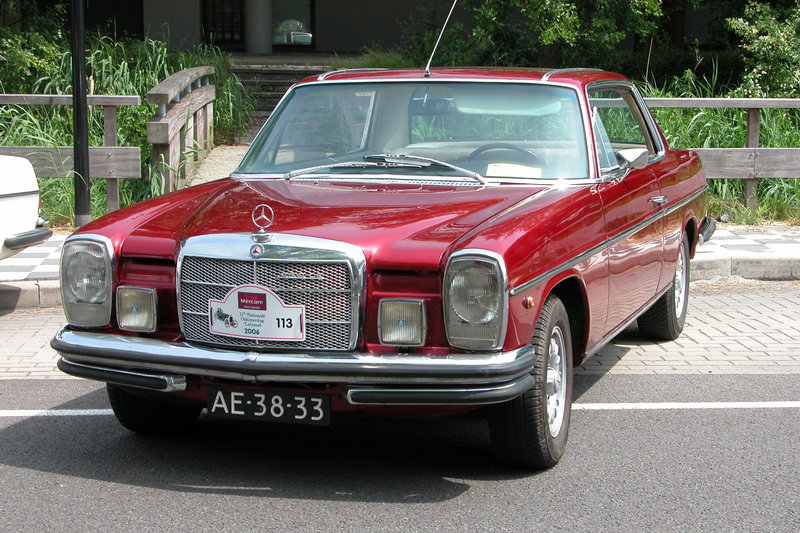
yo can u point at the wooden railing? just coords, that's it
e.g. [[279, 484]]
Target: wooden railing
[[109, 161], [752, 161], [183, 125]]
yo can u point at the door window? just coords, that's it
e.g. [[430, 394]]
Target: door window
[[618, 125]]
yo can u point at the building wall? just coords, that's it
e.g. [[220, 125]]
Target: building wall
[[350, 26], [179, 22]]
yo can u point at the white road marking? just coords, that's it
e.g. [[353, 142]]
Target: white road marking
[[660, 406], [666, 406], [28, 413]]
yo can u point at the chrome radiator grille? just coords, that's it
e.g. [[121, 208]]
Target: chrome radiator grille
[[325, 288]]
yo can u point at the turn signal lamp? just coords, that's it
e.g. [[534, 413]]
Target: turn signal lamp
[[402, 322], [136, 309]]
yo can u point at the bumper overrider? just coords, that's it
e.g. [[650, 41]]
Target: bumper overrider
[[369, 379]]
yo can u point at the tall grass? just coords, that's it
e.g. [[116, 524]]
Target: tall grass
[[778, 199], [129, 67]]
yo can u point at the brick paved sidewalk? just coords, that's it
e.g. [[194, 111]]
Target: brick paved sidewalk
[[733, 327]]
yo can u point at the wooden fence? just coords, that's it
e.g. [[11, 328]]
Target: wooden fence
[[752, 161], [109, 161], [182, 127]]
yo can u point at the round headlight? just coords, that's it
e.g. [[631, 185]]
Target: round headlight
[[474, 295], [86, 273]]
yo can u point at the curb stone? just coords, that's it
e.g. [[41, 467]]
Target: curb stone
[[37, 294]]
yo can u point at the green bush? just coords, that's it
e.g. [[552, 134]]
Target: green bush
[[770, 48]]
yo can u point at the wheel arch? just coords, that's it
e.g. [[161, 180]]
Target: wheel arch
[[690, 229], [572, 294]]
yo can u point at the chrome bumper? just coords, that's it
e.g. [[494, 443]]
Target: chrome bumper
[[370, 379]]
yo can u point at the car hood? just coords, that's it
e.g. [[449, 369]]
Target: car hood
[[407, 226]]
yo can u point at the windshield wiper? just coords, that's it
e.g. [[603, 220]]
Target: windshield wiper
[[351, 164], [424, 162], [388, 161]]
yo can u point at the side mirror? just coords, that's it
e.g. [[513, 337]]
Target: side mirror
[[634, 158]]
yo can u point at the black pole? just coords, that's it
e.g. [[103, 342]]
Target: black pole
[[80, 126]]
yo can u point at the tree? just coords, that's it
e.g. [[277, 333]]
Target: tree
[[552, 32], [770, 48]]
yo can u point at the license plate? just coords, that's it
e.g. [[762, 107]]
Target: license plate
[[272, 406]]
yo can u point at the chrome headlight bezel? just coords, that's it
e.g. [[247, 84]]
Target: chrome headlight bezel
[[87, 306], [470, 324]]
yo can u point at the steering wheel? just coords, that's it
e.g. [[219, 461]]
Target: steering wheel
[[533, 158]]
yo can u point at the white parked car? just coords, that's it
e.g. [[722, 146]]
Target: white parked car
[[20, 223]]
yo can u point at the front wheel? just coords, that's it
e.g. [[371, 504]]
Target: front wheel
[[531, 431], [150, 416], [664, 321]]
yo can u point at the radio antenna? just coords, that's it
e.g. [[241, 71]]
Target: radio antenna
[[435, 46]]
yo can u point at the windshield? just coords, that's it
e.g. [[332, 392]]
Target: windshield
[[500, 130]]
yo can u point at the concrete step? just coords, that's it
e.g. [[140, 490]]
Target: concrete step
[[269, 83]]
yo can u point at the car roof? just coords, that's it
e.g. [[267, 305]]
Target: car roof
[[573, 76]]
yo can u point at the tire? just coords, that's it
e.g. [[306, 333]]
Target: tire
[[531, 430], [148, 416], [664, 321]]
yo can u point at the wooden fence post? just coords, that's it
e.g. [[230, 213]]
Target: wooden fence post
[[110, 139], [753, 135]]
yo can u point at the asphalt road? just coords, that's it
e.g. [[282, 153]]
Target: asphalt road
[[726, 459]]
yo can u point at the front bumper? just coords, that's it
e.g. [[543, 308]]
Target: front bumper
[[28, 238], [370, 379]]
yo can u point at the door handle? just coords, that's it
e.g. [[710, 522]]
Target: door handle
[[659, 200]]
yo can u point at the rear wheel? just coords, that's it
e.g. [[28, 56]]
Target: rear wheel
[[664, 321], [531, 431], [150, 416]]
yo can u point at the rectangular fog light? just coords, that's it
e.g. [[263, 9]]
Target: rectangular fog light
[[136, 308], [402, 322]]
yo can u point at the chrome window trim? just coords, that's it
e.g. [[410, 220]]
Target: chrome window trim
[[647, 116], [309, 249], [607, 243], [326, 75], [559, 71]]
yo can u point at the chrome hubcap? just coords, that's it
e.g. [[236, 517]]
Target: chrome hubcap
[[556, 390], [680, 284]]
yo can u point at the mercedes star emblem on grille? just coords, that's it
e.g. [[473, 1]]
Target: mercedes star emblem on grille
[[257, 251]]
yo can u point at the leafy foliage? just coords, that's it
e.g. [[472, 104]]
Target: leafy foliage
[[552, 32], [771, 49]]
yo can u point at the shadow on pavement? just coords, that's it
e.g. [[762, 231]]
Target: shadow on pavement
[[368, 460]]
